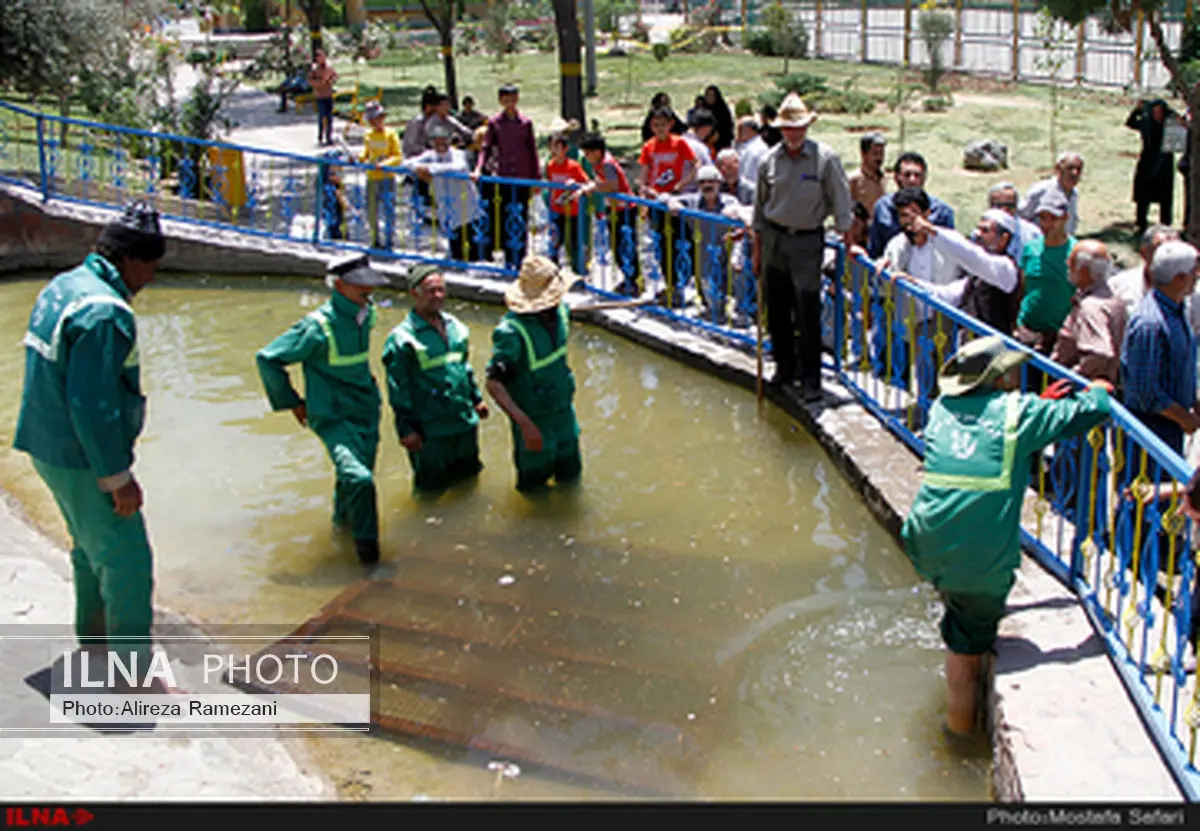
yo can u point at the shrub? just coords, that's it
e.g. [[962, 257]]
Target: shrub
[[661, 50], [802, 83], [758, 42], [744, 106], [254, 16], [788, 36], [694, 39]]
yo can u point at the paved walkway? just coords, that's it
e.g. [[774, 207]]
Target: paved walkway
[[37, 591]]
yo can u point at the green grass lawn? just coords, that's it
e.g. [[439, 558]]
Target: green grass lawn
[[1016, 115]]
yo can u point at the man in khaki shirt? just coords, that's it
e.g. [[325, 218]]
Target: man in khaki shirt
[[867, 184], [322, 77], [800, 183]]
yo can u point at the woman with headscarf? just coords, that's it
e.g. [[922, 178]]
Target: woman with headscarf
[[715, 103], [1154, 178], [661, 99]]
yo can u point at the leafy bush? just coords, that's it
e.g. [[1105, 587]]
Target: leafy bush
[[758, 42], [786, 32], [744, 106], [640, 32], [254, 16], [334, 14], [661, 50], [694, 39], [817, 94]]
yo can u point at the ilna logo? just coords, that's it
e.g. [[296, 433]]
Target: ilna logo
[[126, 667]]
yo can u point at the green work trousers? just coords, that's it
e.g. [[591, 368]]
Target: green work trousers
[[352, 448], [112, 563], [558, 458], [971, 621], [445, 460]]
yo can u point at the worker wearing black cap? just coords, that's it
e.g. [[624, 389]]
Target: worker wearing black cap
[[81, 412], [333, 345], [432, 390]]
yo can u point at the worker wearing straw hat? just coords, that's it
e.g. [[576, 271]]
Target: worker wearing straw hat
[[800, 183], [431, 387], [981, 438], [342, 401], [530, 380]]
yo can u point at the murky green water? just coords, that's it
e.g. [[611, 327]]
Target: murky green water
[[838, 691]]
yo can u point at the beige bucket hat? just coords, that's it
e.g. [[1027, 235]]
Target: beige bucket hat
[[539, 286], [794, 113]]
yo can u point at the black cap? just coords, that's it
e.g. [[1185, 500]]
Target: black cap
[[136, 233], [702, 118], [356, 271], [509, 89]]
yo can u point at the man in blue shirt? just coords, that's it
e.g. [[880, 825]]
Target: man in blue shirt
[[1158, 360], [910, 172]]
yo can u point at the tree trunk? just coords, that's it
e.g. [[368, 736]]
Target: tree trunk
[[570, 54], [317, 43], [448, 63]]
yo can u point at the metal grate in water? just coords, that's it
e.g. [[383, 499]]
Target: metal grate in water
[[606, 682]]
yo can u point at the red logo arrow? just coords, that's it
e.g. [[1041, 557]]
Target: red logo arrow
[[82, 816]]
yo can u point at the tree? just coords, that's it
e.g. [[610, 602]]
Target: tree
[[443, 14], [314, 12], [570, 58], [1122, 15]]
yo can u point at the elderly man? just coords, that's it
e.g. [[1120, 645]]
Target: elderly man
[[1132, 283], [1048, 292], [986, 279], [81, 412], [1158, 357], [732, 183], [1064, 183], [800, 183], [910, 172], [1089, 342], [332, 343], [431, 388], [963, 532], [750, 147], [1004, 196]]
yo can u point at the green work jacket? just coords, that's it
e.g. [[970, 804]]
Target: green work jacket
[[963, 532], [82, 406], [431, 387], [543, 385], [333, 346]]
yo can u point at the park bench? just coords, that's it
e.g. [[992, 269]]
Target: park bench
[[353, 111]]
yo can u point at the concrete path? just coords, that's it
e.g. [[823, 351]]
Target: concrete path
[[36, 590]]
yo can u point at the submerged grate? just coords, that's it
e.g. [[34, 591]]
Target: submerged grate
[[600, 681]]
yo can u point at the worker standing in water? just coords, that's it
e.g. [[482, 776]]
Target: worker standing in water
[[530, 380], [981, 438], [82, 410], [431, 388], [342, 407]]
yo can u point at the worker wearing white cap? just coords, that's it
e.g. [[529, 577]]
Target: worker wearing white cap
[[342, 406]]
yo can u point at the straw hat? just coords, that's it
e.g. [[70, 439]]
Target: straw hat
[[977, 363], [794, 113], [539, 286]]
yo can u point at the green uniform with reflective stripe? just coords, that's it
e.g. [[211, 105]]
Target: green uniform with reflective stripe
[[432, 392], [544, 388], [82, 411], [342, 400], [963, 532]]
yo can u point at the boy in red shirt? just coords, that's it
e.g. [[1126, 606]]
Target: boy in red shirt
[[668, 168], [564, 204], [620, 216]]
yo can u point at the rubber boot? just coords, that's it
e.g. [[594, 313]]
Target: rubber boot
[[368, 551]]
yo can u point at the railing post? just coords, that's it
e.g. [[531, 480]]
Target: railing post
[[1080, 42], [958, 34], [318, 202], [44, 174], [839, 310], [862, 26], [1138, 46], [907, 32], [1016, 40]]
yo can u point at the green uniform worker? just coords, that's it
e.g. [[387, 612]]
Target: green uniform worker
[[530, 380], [431, 388], [343, 402], [978, 445], [81, 413]]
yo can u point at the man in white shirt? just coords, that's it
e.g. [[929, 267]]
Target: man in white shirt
[[1005, 197], [1065, 181], [455, 198], [750, 147], [1131, 283], [986, 287]]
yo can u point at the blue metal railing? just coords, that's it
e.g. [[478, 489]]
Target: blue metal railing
[[886, 340]]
